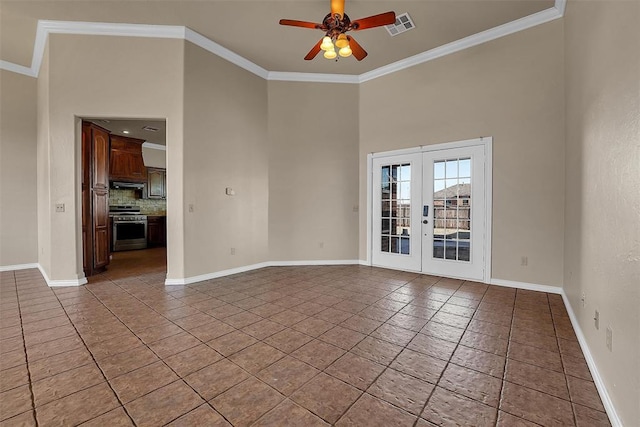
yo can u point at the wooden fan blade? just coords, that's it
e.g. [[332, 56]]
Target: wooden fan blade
[[374, 21], [313, 52], [356, 49], [337, 6], [303, 24]]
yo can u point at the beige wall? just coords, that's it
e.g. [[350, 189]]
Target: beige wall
[[102, 77], [18, 198], [602, 234], [510, 89], [42, 147], [313, 176], [225, 145]]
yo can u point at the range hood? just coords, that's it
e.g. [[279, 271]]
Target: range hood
[[134, 185]]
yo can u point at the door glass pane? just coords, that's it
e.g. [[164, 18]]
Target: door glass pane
[[395, 187], [452, 209]]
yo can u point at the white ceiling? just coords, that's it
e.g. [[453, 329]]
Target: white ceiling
[[250, 27], [134, 128]]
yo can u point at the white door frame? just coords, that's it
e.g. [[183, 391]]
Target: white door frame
[[487, 143]]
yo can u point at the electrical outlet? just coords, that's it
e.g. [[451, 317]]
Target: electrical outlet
[[191, 207], [609, 338], [524, 261], [233, 251], [356, 208], [59, 207], [583, 298], [596, 319]]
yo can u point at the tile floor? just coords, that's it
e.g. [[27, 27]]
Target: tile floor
[[288, 346]]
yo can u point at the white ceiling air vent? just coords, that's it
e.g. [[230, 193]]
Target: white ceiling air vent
[[403, 23], [150, 128]]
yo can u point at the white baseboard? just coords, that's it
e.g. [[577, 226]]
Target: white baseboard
[[527, 286], [222, 273], [58, 283], [18, 266], [597, 378]]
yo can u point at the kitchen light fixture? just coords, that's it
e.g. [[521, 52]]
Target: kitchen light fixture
[[125, 131]]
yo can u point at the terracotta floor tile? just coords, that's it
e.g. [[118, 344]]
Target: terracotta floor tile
[[508, 420], [13, 377], [355, 370], [288, 317], [174, 344], [401, 390], [231, 343], [287, 374], [326, 397], [14, 402], [425, 319], [313, 326], [137, 383], [432, 346], [193, 359], [66, 383], [450, 409], [128, 361], [25, 419], [256, 357], [584, 393], [156, 333], [361, 324], [203, 415], [535, 356], [537, 378], [288, 340], [164, 404], [216, 378], [289, 414], [472, 384], [534, 406], [394, 334], [114, 418], [576, 367], [263, 329], [318, 354], [376, 350], [442, 331], [588, 417], [478, 360], [342, 337], [419, 365], [246, 402], [485, 343], [371, 411], [78, 407]]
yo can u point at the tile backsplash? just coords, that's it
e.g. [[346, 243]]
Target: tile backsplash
[[129, 196]]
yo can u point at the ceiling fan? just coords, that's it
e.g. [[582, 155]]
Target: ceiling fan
[[335, 25]]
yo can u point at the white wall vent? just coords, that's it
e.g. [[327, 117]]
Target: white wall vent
[[403, 23], [150, 128]]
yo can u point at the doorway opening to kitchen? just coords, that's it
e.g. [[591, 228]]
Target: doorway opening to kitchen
[[124, 197]]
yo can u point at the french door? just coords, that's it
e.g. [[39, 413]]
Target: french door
[[429, 211]]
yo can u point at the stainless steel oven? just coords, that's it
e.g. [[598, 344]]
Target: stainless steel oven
[[129, 228]]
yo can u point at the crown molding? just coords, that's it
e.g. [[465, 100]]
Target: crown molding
[[313, 77], [154, 146], [46, 27]]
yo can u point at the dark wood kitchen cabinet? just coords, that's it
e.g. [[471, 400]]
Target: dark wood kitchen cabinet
[[126, 163], [95, 198], [156, 231], [156, 183]]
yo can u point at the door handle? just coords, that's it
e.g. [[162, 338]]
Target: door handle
[[425, 210]]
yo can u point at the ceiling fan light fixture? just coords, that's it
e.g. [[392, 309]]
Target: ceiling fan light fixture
[[330, 54], [345, 51], [342, 41], [327, 44]]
